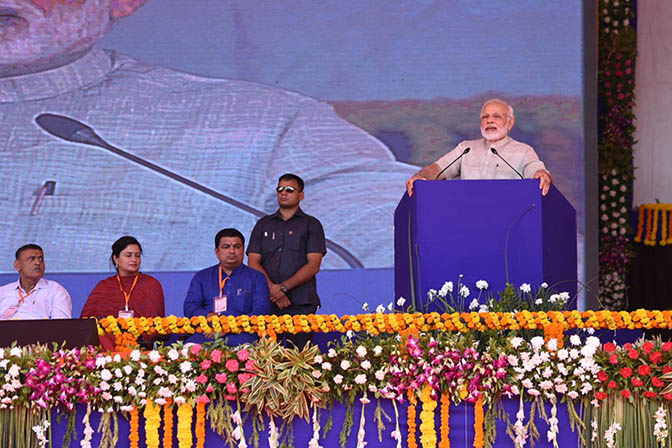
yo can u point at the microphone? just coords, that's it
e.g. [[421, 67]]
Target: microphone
[[75, 131], [466, 151], [494, 151]]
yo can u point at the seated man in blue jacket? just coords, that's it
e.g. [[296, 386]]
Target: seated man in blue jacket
[[229, 287]]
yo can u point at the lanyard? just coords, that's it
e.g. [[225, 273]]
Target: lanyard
[[127, 297], [222, 282], [23, 297]]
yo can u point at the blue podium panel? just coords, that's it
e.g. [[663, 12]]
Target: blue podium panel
[[481, 228]]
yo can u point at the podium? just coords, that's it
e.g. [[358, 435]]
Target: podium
[[481, 228]]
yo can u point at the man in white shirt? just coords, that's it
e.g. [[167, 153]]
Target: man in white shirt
[[495, 156], [32, 296], [230, 136]]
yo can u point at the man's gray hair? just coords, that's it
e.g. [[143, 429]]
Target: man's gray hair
[[497, 100]]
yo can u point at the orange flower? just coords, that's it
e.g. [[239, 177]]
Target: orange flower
[[479, 430], [134, 434]]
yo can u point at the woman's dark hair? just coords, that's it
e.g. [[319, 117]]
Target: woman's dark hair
[[121, 244]]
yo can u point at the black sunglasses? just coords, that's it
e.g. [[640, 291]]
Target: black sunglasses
[[287, 189]]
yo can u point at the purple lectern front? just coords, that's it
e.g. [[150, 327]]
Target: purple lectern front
[[482, 229]]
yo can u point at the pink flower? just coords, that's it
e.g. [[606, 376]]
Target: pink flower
[[249, 365], [232, 365], [205, 365], [244, 377], [221, 378], [243, 355], [196, 349], [231, 388], [201, 379], [216, 356], [209, 389], [203, 399]]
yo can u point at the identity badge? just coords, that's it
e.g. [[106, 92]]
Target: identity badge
[[220, 304], [11, 311], [127, 314]]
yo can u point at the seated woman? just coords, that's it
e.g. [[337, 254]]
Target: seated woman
[[130, 293]]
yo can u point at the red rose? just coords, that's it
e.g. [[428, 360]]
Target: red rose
[[633, 354], [600, 395], [647, 347], [637, 382], [667, 369], [626, 372], [667, 396], [613, 358], [612, 384], [627, 346], [602, 376], [609, 347], [626, 393], [655, 357], [667, 346], [649, 394], [657, 382], [644, 370]]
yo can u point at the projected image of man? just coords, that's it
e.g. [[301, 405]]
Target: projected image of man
[[230, 136]]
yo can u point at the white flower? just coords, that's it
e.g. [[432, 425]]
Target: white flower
[[338, 379], [516, 342], [361, 351], [366, 365], [154, 356], [526, 288], [390, 306], [464, 291], [380, 309], [128, 369], [345, 364], [446, 289], [539, 301], [326, 365], [380, 375], [365, 306], [185, 367], [173, 354], [15, 351], [331, 353], [350, 334], [377, 350], [483, 309], [481, 285], [172, 379], [537, 342], [135, 355], [317, 373], [360, 379], [318, 359], [544, 285], [474, 304], [106, 375], [401, 301], [575, 340], [552, 344]]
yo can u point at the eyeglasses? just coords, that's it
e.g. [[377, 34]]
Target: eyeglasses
[[287, 189]]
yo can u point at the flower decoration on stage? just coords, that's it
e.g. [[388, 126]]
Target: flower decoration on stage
[[616, 86]]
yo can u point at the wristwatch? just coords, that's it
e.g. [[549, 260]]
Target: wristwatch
[[283, 288]]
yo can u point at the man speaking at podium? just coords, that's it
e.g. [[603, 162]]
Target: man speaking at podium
[[33, 297], [495, 156]]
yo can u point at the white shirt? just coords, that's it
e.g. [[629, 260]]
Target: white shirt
[[48, 300], [235, 137], [481, 163]]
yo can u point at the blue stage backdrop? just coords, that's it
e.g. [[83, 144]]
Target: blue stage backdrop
[[352, 96]]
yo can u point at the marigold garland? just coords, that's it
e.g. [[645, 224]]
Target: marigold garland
[[445, 421], [555, 322], [200, 424], [185, 414], [410, 420], [427, 430], [479, 430], [134, 429], [555, 330], [152, 422], [168, 424]]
